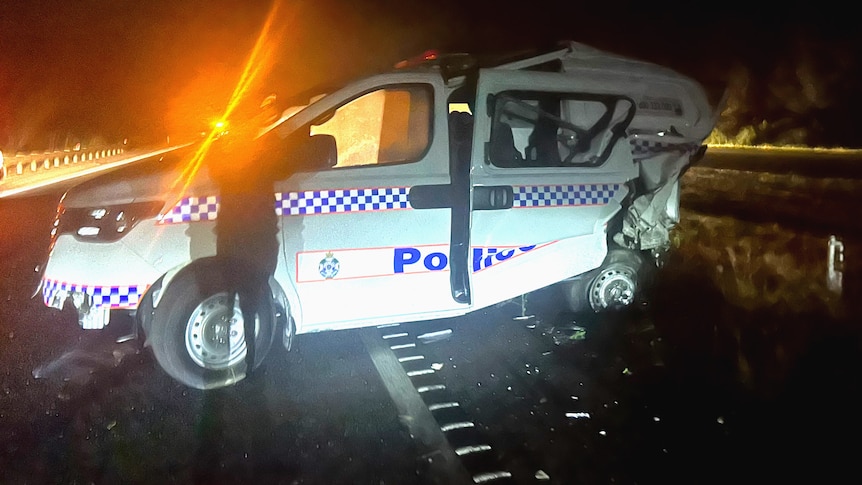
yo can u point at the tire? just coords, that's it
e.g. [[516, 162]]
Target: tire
[[188, 334], [576, 294], [585, 293], [621, 265]]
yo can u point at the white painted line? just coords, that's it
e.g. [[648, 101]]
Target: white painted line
[[443, 405], [430, 440], [410, 358], [420, 372], [466, 450], [458, 425], [431, 335], [402, 346], [387, 325], [432, 387], [395, 335], [487, 477]]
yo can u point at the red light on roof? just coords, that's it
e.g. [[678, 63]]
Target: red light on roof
[[429, 55]]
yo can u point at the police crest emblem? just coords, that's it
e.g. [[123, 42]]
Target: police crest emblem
[[329, 266]]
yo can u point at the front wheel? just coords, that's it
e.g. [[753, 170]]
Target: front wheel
[[197, 330]]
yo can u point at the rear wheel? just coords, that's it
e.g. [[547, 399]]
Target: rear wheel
[[197, 330], [616, 284], [612, 286]]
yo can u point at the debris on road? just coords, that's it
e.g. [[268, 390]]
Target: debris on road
[[567, 334], [580, 415]]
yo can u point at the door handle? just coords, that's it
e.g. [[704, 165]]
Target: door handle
[[494, 197]]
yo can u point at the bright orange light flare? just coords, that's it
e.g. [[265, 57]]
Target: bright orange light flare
[[257, 64]]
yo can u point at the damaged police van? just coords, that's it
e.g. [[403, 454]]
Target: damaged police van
[[433, 190]]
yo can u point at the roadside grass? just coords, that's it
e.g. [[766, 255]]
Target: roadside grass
[[757, 266]]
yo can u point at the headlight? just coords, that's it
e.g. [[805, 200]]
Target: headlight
[[105, 223]]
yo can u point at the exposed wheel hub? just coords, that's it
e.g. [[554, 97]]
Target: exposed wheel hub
[[215, 337], [613, 288]]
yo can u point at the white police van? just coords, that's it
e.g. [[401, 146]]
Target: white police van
[[436, 189]]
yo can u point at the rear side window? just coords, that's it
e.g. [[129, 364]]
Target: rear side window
[[547, 129], [390, 125]]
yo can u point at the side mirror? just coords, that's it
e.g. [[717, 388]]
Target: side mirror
[[317, 152], [301, 153]]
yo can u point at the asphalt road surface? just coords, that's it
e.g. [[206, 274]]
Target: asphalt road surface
[[694, 385]]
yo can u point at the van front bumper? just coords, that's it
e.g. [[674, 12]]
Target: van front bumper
[[93, 303]]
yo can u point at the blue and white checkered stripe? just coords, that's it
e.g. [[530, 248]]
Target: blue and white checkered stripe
[[193, 209], [337, 201], [340, 201], [643, 148], [112, 296], [563, 195]]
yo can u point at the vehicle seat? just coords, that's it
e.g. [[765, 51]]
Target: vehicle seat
[[501, 148], [542, 149]]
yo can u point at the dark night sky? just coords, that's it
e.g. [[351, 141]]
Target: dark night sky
[[143, 69]]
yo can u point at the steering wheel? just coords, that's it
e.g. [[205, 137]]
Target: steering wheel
[[573, 138]]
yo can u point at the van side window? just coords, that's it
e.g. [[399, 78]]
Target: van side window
[[390, 125], [549, 129]]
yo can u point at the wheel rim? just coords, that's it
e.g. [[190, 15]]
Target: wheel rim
[[215, 333], [613, 288]]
